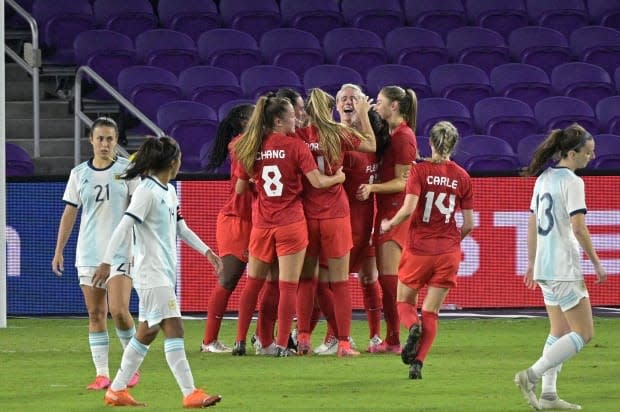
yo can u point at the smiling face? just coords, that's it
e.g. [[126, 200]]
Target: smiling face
[[345, 105], [104, 140], [300, 111], [286, 123], [384, 106]]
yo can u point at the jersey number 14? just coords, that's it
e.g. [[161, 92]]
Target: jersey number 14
[[439, 203]]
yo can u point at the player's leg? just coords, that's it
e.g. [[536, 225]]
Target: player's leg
[[98, 339], [388, 256]]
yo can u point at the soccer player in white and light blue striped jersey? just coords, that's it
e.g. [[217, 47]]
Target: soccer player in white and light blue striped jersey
[[154, 215], [95, 187], [556, 230]]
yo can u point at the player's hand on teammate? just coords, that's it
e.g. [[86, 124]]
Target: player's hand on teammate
[[215, 261], [528, 279], [601, 275], [101, 274], [363, 192], [340, 175], [58, 264], [386, 225], [362, 104]]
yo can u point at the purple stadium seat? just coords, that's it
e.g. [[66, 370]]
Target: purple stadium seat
[[106, 52], [396, 74], [597, 45], [192, 17], [356, 48], [564, 16], [462, 82], [18, 161], [227, 107], [559, 112], [291, 48], [229, 49], [314, 16], [259, 80], [583, 81], [416, 47], [128, 17], [59, 24], [192, 125], [481, 153], [524, 82], [617, 79], [251, 16], [608, 115], [506, 118], [379, 16], [435, 109], [329, 77], [605, 12], [148, 88], [501, 16], [539, 46], [527, 146], [424, 147], [209, 85], [477, 46], [168, 49], [607, 150], [437, 15]]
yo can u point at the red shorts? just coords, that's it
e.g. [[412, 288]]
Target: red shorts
[[268, 244], [233, 236], [417, 271], [398, 234], [329, 238]]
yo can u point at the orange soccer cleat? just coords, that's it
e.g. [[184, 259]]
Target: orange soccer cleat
[[200, 399], [120, 398]]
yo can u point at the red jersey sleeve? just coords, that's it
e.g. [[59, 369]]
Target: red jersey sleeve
[[404, 145], [414, 183], [467, 195], [240, 172]]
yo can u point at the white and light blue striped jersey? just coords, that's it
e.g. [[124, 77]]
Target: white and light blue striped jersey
[[103, 197], [558, 194], [155, 207]]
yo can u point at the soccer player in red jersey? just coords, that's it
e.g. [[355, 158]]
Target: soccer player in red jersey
[[277, 162], [328, 215], [234, 223], [399, 108], [435, 190]]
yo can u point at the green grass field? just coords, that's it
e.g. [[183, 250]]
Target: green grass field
[[45, 365]]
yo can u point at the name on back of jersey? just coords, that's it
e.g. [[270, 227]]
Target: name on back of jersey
[[442, 181], [271, 154]]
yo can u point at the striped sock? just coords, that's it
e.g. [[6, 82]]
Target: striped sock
[[99, 347], [174, 348], [133, 355], [549, 378], [125, 335], [562, 350]]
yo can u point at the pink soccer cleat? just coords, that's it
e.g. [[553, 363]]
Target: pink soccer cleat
[[134, 380], [100, 383]]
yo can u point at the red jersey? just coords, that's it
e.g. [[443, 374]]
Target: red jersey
[[331, 202], [442, 188], [360, 168], [402, 150], [280, 164], [239, 205]]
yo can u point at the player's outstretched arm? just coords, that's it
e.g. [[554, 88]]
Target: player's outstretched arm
[[67, 221]]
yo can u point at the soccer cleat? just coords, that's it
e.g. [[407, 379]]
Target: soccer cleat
[[135, 379], [528, 389], [383, 347], [352, 342], [415, 370], [200, 399], [215, 347], [268, 350], [239, 348], [412, 345], [100, 383], [281, 352], [120, 398], [329, 347], [374, 342], [256, 343], [345, 350], [292, 340], [557, 403]]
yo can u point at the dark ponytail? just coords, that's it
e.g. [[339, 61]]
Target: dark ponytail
[[154, 155]]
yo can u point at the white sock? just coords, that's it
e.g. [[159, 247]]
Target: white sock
[[125, 335], [562, 350], [174, 349], [133, 355], [99, 346], [549, 378]]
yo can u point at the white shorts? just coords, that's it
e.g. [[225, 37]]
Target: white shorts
[[157, 304], [86, 273], [565, 294]]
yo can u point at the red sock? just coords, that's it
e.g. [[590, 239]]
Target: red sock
[[286, 311], [267, 312], [372, 305], [316, 315], [247, 304], [305, 304], [215, 310], [342, 308], [430, 325], [325, 297], [408, 314], [388, 285]]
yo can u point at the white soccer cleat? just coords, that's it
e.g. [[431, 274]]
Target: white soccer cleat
[[557, 403], [330, 347], [270, 350], [528, 389], [215, 347]]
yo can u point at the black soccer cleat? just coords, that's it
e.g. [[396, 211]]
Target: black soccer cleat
[[239, 348], [410, 350], [415, 370]]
